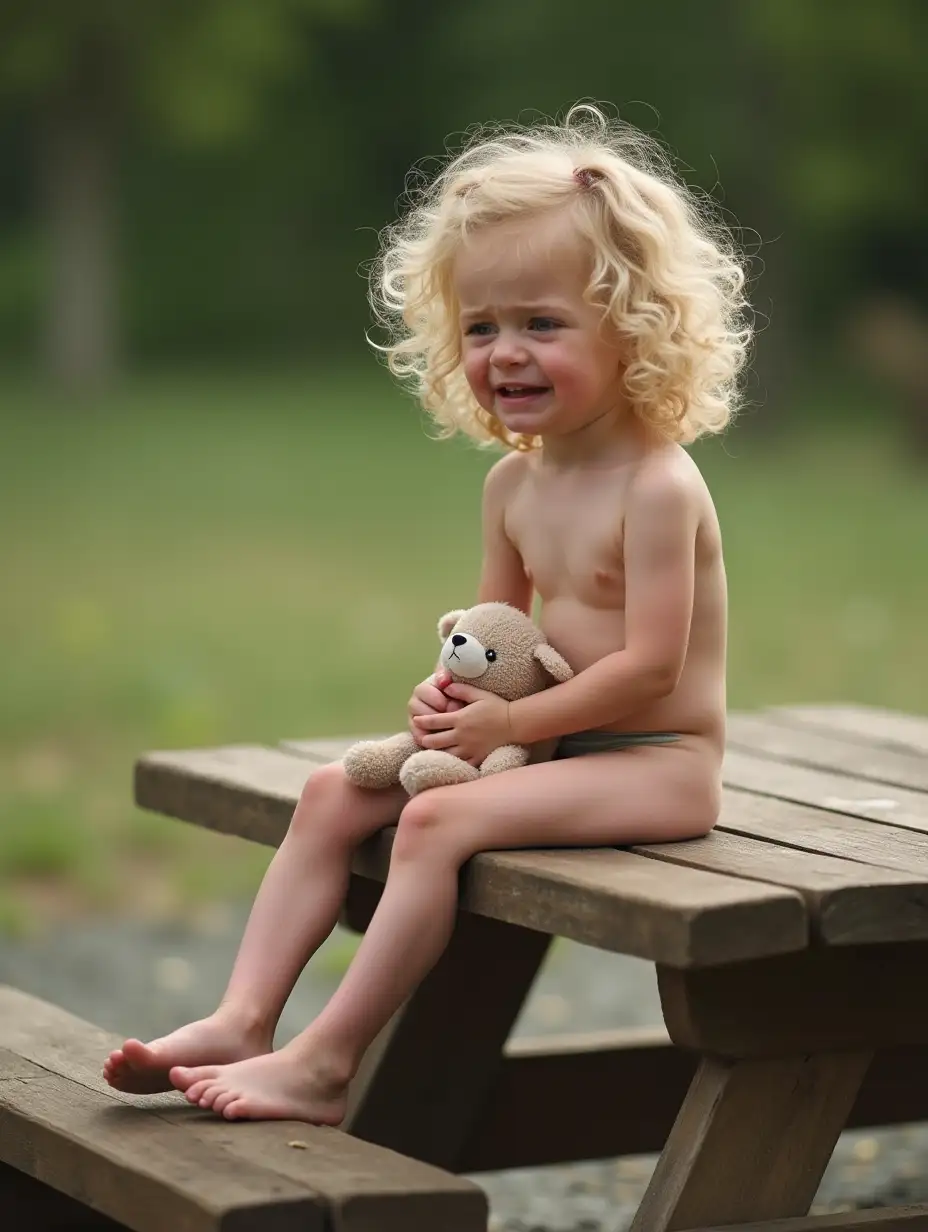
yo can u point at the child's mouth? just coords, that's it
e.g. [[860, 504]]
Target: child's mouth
[[518, 395]]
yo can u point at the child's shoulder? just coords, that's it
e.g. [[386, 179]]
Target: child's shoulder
[[668, 478], [507, 473]]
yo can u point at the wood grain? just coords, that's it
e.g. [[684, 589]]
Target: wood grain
[[558, 1099], [615, 900], [822, 1000], [840, 793], [777, 735], [849, 903], [768, 1127], [352, 1185], [869, 724]]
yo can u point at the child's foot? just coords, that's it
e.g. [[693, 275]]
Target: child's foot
[[142, 1069], [289, 1085]]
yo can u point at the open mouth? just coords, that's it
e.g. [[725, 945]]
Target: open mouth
[[514, 393]]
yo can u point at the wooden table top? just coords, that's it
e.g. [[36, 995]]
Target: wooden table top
[[822, 840]]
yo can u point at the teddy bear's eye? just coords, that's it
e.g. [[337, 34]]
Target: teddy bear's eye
[[491, 656]]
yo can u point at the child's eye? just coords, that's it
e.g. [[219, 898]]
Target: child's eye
[[544, 324], [479, 329]]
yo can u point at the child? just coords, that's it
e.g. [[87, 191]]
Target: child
[[557, 291]]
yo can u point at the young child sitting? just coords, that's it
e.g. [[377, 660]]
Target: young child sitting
[[558, 291]]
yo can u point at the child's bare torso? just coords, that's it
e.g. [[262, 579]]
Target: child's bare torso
[[568, 530]]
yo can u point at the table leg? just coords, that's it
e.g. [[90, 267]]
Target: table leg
[[752, 1140], [430, 1075]]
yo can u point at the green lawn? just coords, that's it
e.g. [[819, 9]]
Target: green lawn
[[234, 559]]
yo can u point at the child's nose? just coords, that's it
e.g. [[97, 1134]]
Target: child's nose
[[509, 349]]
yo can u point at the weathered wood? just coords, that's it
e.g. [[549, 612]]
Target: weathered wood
[[561, 1099], [441, 1057], [870, 724], [849, 903], [28, 1204], [130, 1156], [773, 734], [814, 829], [889, 1219], [841, 793], [615, 900], [844, 997], [752, 1140], [136, 1169]]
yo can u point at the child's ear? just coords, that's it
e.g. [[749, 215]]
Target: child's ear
[[448, 621], [553, 664]]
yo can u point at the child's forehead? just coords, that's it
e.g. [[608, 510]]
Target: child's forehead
[[530, 259]]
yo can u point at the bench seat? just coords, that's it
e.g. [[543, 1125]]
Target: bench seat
[[76, 1154]]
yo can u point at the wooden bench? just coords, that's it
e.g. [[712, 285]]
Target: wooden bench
[[74, 1154], [790, 947]]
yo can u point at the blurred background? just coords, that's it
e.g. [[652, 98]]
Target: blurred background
[[220, 520]]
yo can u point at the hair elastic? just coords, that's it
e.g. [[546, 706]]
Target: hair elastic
[[586, 177]]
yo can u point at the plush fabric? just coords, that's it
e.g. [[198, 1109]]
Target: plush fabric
[[492, 646]]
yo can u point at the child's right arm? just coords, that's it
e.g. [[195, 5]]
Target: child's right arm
[[502, 578]]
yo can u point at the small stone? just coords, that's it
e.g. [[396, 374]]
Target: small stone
[[299, 1145], [866, 1150]]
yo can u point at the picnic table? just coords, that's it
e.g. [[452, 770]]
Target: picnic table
[[790, 946]]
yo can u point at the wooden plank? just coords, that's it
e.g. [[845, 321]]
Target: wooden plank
[[889, 1219], [840, 793], [27, 1203], [776, 735], [605, 1094], [849, 903], [136, 1170], [752, 1140], [813, 829], [615, 900], [821, 1000], [354, 1185], [871, 724], [434, 1070]]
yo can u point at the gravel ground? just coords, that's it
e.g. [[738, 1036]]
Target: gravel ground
[[144, 979]]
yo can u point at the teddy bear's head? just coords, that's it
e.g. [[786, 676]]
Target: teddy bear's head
[[495, 647]]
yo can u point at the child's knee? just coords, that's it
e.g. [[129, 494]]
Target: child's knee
[[323, 795], [421, 825]]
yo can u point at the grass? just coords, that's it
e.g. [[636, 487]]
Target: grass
[[216, 559]]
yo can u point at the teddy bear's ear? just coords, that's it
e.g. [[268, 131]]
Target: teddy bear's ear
[[553, 664], [448, 621]]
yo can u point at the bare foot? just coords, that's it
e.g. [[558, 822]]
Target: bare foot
[[142, 1069], [289, 1085]]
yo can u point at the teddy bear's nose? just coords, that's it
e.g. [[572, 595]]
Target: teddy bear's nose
[[458, 639]]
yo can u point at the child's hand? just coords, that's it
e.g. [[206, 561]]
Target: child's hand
[[427, 698], [471, 733]]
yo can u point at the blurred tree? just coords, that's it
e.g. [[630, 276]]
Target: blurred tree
[[196, 71]]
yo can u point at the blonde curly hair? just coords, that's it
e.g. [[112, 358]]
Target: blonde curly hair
[[665, 270]]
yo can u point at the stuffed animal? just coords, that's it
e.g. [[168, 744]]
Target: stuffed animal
[[492, 646]]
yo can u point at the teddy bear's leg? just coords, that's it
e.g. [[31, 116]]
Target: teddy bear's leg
[[375, 764], [435, 768], [506, 757]]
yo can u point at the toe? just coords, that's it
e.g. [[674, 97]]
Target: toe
[[183, 1077], [210, 1095], [194, 1092], [234, 1110], [136, 1053], [223, 1099]]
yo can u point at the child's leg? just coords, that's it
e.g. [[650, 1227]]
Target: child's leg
[[296, 908], [611, 799]]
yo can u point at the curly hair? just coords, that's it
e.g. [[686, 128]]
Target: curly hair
[[665, 270]]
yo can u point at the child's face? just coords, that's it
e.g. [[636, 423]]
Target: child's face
[[534, 352]]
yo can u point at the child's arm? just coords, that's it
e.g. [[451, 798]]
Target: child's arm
[[659, 549], [502, 576]]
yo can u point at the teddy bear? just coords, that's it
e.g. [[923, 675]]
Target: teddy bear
[[492, 646]]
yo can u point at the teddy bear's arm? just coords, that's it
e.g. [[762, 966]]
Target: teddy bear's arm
[[506, 757]]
